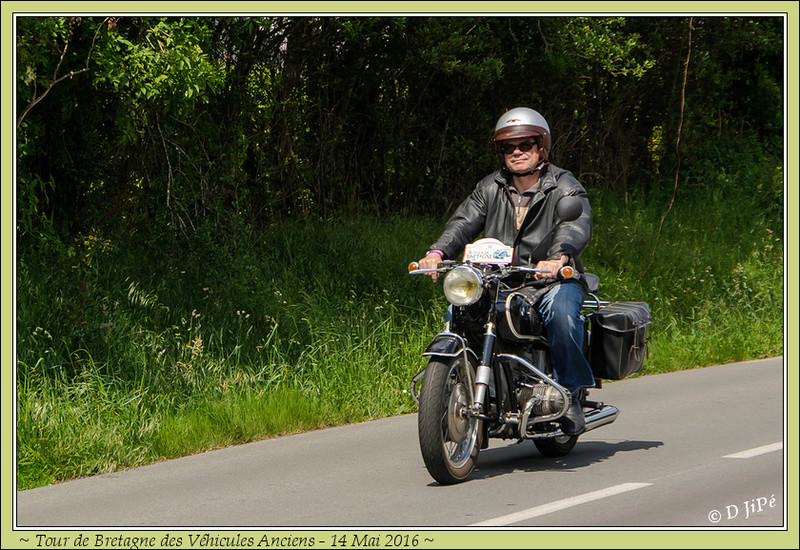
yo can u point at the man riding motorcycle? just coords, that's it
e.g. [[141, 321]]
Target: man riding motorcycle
[[517, 205]]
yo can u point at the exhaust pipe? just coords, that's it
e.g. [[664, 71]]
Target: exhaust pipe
[[595, 418], [600, 417]]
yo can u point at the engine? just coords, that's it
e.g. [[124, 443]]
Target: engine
[[549, 401]]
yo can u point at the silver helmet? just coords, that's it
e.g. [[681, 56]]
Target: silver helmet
[[523, 122]]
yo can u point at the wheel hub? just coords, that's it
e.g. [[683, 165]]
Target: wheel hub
[[457, 418]]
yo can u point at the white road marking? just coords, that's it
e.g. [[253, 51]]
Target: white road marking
[[750, 453], [559, 505]]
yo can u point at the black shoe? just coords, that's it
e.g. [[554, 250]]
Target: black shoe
[[573, 423]]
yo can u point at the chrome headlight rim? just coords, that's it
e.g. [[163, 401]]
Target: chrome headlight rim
[[463, 285]]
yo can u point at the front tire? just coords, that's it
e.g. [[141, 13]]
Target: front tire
[[448, 437]]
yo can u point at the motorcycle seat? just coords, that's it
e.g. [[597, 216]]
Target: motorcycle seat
[[592, 282]]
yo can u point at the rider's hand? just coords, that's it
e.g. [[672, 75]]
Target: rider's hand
[[431, 261], [552, 267]]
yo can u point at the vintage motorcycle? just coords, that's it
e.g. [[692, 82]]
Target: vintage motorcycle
[[489, 373]]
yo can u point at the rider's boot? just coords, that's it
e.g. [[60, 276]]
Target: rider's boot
[[573, 422]]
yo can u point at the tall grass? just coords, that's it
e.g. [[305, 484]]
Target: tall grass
[[712, 272], [129, 354]]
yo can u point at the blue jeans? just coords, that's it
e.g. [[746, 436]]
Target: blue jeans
[[560, 308]]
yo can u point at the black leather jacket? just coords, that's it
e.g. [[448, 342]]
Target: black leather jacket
[[489, 209]]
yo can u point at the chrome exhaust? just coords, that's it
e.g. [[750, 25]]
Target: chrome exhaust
[[595, 418], [600, 417]]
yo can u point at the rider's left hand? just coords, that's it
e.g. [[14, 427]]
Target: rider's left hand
[[551, 266]]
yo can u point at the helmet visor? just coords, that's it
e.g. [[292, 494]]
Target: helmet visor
[[518, 131]]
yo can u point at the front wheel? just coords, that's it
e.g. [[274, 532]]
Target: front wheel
[[448, 437]]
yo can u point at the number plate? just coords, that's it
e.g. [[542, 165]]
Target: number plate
[[488, 251]]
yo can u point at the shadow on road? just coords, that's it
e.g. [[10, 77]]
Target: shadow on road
[[525, 458]]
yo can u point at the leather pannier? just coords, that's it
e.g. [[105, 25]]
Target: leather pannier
[[618, 340]]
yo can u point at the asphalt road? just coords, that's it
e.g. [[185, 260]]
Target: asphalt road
[[698, 448]]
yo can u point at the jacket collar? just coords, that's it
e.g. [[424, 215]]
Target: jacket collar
[[503, 177]]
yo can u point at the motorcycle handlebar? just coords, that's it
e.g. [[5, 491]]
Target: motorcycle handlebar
[[566, 272]]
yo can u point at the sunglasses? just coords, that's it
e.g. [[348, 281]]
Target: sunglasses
[[508, 148]]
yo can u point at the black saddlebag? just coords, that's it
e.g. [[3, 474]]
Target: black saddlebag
[[618, 341]]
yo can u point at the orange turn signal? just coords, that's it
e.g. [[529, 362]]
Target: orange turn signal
[[567, 272], [413, 266]]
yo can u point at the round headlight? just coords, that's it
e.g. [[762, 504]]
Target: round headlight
[[463, 286]]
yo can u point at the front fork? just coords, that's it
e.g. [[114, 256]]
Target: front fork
[[483, 373]]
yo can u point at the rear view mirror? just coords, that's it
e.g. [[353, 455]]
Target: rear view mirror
[[569, 208]]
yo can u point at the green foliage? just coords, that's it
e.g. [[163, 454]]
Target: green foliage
[[182, 121], [44, 55], [606, 43], [165, 65]]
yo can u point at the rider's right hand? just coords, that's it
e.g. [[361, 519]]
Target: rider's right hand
[[431, 261]]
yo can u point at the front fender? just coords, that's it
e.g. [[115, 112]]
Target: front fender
[[445, 345]]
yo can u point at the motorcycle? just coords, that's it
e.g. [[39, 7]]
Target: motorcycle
[[489, 373]]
